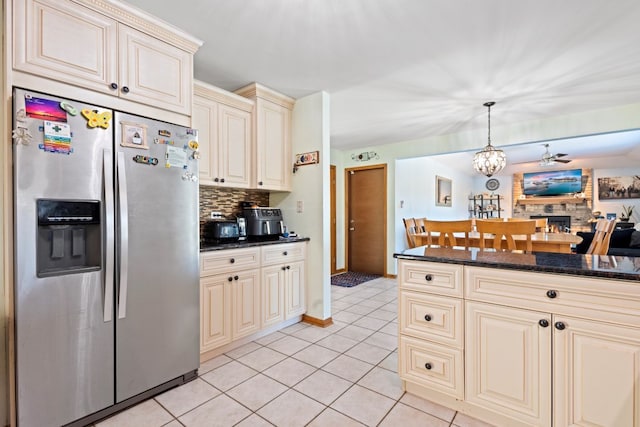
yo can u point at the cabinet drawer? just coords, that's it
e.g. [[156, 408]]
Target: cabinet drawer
[[616, 300], [432, 317], [224, 261], [431, 365], [443, 279], [283, 253]]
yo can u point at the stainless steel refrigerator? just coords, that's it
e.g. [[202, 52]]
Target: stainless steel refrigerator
[[106, 258]]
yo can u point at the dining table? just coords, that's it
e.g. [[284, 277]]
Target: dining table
[[541, 241]]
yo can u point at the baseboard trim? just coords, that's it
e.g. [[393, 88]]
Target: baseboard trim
[[342, 270], [391, 276], [323, 323]]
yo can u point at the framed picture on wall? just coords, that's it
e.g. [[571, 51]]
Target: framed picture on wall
[[619, 187], [443, 191]]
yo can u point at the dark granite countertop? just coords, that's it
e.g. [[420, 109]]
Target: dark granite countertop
[[248, 244], [605, 266]]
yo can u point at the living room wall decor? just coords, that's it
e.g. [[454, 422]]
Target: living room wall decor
[[619, 187]]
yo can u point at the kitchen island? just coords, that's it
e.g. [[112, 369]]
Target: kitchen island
[[520, 339]]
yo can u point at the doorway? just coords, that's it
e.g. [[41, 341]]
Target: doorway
[[334, 255], [366, 216]]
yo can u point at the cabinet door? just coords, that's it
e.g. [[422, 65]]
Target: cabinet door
[[272, 283], [295, 303], [508, 362], [597, 374], [246, 303], [273, 146], [204, 119], [153, 72], [64, 41], [234, 146], [215, 312]]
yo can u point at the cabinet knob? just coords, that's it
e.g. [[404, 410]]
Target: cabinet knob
[[114, 86], [235, 277], [428, 277], [125, 89], [560, 326], [552, 294], [259, 182], [288, 267], [543, 322], [230, 279], [427, 317], [428, 366], [285, 253], [284, 268], [216, 180], [222, 180], [232, 260]]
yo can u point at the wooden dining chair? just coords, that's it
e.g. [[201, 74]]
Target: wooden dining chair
[[410, 229], [446, 230], [541, 223], [419, 224], [602, 237], [506, 230]]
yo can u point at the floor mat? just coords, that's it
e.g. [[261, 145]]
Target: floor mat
[[352, 278]]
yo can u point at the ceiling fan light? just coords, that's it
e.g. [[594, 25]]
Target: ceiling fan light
[[490, 160]]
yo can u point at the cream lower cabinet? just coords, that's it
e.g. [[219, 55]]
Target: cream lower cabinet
[[539, 349], [215, 309], [283, 282], [105, 55], [245, 290]]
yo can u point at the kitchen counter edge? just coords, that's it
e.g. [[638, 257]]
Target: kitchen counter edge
[[240, 245], [603, 266]]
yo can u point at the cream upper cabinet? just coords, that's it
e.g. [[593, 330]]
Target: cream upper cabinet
[[224, 123], [272, 122], [98, 49], [508, 362]]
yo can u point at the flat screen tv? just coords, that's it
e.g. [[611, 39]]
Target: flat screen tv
[[552, 183]]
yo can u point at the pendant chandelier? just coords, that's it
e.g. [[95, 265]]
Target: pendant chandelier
[[490, 160]]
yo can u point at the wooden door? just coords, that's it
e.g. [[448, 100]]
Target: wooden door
[[332, 179], [597, 374], [508, 362], [366, 219]]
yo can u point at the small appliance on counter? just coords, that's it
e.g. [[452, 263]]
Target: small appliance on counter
[[242, 228], [263, 223], [219, 230]]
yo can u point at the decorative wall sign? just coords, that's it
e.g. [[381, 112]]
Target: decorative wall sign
[[134, 135], [310, 158], [619, 187]]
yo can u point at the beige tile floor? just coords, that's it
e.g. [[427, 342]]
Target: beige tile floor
[[343, 375]]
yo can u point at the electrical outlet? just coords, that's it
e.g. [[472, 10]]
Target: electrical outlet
[[299, 206]]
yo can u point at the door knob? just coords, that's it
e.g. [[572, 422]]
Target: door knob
[[352, 228]]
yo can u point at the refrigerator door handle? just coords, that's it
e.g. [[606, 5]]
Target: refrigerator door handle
[[124, 237], [109, 234]]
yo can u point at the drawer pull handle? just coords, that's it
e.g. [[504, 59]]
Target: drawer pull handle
[[230, 279], [428, 277], [427, 317], [285, 253], [543, 322], [560, 326], [552, 294], [232, 260], [427, 366], [235, 277]]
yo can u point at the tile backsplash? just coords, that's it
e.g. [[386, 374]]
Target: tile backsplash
[[227, 201]]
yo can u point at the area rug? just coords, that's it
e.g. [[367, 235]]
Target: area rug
[[352, 278]]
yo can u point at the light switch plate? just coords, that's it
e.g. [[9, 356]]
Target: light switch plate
[[299, 206]]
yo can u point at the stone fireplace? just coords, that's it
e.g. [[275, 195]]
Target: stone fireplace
[[571, 211]]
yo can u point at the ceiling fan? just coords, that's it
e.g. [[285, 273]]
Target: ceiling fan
[[549, 159]]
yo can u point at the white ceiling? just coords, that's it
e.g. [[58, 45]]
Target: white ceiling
[[398, 70]]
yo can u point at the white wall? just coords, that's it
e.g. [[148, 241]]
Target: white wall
[[336, 160], [310, 185]]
